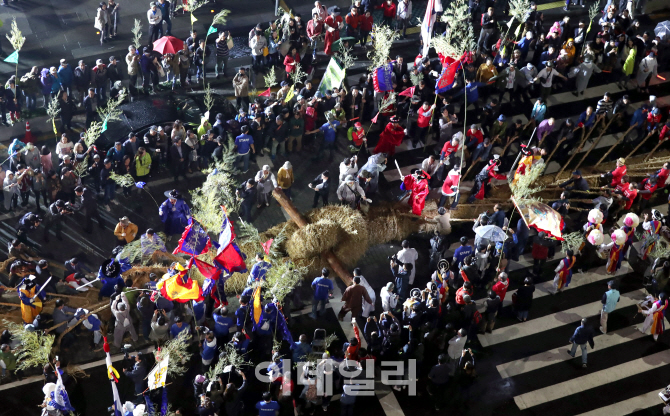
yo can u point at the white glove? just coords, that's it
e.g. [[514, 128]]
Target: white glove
[[433, 73], [369, 201]]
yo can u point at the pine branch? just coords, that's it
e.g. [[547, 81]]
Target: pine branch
[[221, 18], [53, 110], [16, 39], [137, 34], [122, 180], [345, 57], [383, 37], [92, 133], [34, 348], [209, 97], [177, 348], [270, 78], [298, 75], [415, 78], [81, 168]]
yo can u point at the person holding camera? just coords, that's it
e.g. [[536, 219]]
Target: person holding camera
[[137, 373], [124, 322], [54, 218]]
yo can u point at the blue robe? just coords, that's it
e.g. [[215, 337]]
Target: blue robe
[[174, 217]]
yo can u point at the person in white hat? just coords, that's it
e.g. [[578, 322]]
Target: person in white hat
[[350, 192], [266, 183]]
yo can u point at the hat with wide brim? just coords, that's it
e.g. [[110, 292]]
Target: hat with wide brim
[[173, 194]]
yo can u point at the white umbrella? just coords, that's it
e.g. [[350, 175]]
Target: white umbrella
[[662, 30], [491, 233]]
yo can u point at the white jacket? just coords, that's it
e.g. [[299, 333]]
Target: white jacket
[[404, 10], [456, 345], [389, 300], [155, 18]]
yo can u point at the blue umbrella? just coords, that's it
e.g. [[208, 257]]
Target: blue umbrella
[[491, 233]]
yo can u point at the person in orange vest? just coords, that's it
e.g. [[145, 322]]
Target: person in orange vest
[[617, 173]]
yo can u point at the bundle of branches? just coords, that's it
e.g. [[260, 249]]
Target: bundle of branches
[[217, 190], [572, 241], [459, 36], [134, 251], [34, 347], [177, 348], [523, 189], [125, 180], [383, 37], [229, 357]]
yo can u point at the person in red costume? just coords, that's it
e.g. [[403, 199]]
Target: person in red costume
[[483, 179], [391, 137], [662, 175], [617, 173], [332, 25], [417, 184]]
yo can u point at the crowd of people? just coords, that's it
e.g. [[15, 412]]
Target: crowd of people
[[431, 320]]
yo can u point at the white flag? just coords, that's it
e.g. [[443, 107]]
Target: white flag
[[427, 26], [159, 373]]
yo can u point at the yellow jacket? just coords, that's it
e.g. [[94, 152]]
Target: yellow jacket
[[130, 230], [484, 73], [285, 178]]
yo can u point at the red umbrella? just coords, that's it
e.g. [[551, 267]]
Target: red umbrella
[[168, 44]]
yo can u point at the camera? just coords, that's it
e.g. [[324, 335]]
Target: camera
[[394, 258], [126, 350]]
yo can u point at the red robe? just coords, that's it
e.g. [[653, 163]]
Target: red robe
[[331, 36], [491, 174], [390, 138], [419, 191]]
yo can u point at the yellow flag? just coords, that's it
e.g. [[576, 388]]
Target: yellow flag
[[289, 95], [589, 28], [53, 121], [193, 19]]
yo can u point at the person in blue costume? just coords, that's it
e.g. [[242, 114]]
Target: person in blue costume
[[174, 213], [110, 276]]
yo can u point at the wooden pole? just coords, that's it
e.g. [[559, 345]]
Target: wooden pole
[[623, 136], [660, 142], [60, 337], [595, 143], [640, 144], [585, 137], [302, 222], [553, 151]]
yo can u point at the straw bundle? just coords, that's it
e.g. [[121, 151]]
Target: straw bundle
[[314, 239]]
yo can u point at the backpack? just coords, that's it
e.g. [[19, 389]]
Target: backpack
[[477, 317]]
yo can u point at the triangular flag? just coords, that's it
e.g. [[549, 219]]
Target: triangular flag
[[13, 58], [289, 95], [211, 30], [587, 30], [409, 92], [53, 121], [266, 245], [265, 93], [193, 19], [374, 120], [104, 126]]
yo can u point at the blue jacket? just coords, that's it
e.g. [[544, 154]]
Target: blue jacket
[[638, 117], [587, 122], [538, 111], [322, 286], [498, 218], [582, 335], [222, 324], [66, 75]]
